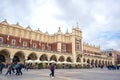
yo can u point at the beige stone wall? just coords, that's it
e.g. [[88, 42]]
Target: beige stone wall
[[91, 48]]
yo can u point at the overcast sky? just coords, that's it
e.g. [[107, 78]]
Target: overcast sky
[[99, 20]]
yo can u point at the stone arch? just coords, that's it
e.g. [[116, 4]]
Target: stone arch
[[106, 63], [102, 62], [99, 62], [53, 57], [84, 60], [96, 63], [43, 57], [32, 56], [69, 59], [78, 59], [5, 55], [19, 57], [88, 61], [111, 63], [61, 58], [92, 62]]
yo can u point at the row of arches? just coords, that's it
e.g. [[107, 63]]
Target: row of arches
[[93, 61], [20, 56]]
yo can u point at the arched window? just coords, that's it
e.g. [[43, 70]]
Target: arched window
[[34, 45], [24, 44], [13, 42]]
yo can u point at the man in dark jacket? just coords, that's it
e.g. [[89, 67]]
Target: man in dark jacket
[[1, 67]]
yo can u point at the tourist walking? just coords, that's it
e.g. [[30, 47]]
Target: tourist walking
[[52, 69], [1, 67], [9, 69]]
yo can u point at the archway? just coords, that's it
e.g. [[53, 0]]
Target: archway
[[5, 56], [84, 60], [53, 57], [96, 63], [44, 57], [99, 63], [61, 59], [19, 57], [78, 59], [32, 56], [69, 59], [2, 58], [88, 61], [102, 62], [92, 62]]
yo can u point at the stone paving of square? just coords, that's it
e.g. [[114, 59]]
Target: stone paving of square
[[65, 74]]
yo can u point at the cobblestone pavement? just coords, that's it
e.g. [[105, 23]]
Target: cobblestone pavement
[[65, 74]]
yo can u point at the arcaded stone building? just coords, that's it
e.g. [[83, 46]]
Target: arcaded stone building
[[114, 53], [23, 44]]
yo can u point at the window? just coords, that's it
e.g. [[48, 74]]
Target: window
[[43, 47], [13, 41], [34, 45], [77, 45], [63, 47], [1, 40], [49, 48], [110, 54], [24, 44]]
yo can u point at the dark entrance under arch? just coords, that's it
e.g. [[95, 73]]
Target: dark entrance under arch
[[16, 59], [2, 58]]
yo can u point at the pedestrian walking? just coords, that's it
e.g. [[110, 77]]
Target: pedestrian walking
[[52, 69], [1, 67], [9, 69]]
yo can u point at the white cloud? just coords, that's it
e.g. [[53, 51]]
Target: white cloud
[[43, 16]]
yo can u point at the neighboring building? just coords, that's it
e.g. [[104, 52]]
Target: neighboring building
[[113, 53], [22, 44]]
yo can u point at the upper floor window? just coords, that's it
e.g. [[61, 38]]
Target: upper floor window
[[25, 44], [78, 44], [49, 48], [1, 40], [34, 45], [13, 41], [63, 47], [43, 47]]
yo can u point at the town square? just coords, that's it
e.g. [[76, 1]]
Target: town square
[[66, 74]]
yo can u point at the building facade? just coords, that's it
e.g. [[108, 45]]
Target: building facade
[[23, 44], [114, 53]]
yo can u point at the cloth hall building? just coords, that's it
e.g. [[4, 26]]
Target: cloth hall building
[[24, 44]]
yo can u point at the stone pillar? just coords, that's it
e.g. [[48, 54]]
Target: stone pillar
[[26, 57], [82, 59], [11, 59], [59, 46], [73, 49]]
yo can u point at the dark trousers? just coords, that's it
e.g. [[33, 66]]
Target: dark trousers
[[1, 70], [8, 72], [52, 73]]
